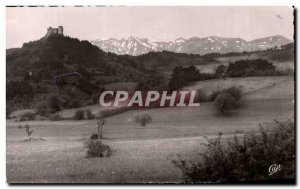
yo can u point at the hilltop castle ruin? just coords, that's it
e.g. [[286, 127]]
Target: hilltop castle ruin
[[55, 31]]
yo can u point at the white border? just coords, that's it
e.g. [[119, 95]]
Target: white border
[[3, 3]]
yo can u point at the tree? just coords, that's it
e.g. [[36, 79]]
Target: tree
[[241, 67], [143, 119], [224, 102], [220, 71], [100, 124], [235, 92], [181, 76]]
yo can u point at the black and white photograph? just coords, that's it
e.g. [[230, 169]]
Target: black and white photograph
[[188, 95]]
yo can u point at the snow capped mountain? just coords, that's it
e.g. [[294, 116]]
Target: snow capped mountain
[[195, 45]]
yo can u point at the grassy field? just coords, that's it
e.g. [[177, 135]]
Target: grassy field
[[211, 68], [141, 154], [247, 84]]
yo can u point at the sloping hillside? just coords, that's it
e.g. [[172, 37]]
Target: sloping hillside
[[57, 54]]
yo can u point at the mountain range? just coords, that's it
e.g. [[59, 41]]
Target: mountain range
[[136, 46]]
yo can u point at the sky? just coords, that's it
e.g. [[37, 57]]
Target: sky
[[24, 24]]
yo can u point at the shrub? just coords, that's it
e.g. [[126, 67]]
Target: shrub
[[224, 102], [220, 70], [79, 115], [243, 67], [227, 99], [214, 95], [181, 76], [69, 102], [74, 103], [235, 92], [94, 136], [143, 119], [53, 102], [97, 149], [55, 117], [246, 158], [41, 108], [89, 114], [28, 116]]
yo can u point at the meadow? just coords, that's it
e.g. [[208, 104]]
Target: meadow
[[141, 154]]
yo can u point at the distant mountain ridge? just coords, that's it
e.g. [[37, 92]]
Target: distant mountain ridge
[[136, 46]]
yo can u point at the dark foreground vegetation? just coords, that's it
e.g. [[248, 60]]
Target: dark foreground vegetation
[[95, 148], [245, 158]]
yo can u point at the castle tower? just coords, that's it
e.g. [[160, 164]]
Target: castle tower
[[60, 30], [55, 31]]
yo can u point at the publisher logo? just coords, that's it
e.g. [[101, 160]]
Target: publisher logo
[[274, 169]]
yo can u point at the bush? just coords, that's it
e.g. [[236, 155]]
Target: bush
[[79, 115], [74, 103], [97, 149], [220, 70], [55, 117], [143, 119], [94, 136], [41, 108], [89, 114], [53, 102], [243, 68], [235, 92], [227, 99], [47, 107], [181, 76], [28, 116], [69, 102], [214, 95], [246, 158], [225, 102]]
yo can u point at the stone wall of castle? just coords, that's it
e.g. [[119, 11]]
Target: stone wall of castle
[[55, 31]]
